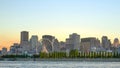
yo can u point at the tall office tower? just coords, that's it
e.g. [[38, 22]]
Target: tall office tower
[[24, 37], [34, 43], [116, 42], [89, 44], [105, 43], [73, 42], [24, 42]]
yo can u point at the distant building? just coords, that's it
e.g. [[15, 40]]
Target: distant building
[[116, 42], [34, 41], [89, 44], [34, 44], [62, 46], [106, 43], [73, 42], [56, 45], [69, 44], [24, 42], [48, 41], [51, 43], [24, 37], [4, 51], [15, 49]]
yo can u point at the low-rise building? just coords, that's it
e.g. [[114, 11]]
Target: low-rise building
[[4, 51]]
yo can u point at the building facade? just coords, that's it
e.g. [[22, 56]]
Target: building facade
[[106, 43], [73, 42], [34, 44], [89, 44], [48, 41], [24, 37], [24, 42]]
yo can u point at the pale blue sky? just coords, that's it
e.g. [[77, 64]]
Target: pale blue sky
[[60, 17]]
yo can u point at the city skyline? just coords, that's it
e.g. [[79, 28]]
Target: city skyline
[[95, 18], [26, 37]]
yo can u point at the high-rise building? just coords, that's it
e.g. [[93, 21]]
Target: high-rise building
[[24, 37], [73, 42], [106, 43], [24, 42], [116, 42], [34, 43], [89, 44]]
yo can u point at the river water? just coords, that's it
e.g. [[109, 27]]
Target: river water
[[57, 64]]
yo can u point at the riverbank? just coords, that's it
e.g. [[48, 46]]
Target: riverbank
[[63, 59]]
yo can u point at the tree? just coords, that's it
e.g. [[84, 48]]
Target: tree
[[74, 53], [43, 55]]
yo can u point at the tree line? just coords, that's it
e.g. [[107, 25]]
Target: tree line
[[72, 54]]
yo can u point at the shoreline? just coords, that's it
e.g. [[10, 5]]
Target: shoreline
[[64, 59]]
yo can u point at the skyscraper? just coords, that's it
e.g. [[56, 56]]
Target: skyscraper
[[106, 43], [116, 42], [24, 37], [24, 42], [34, 43], [73, 42]]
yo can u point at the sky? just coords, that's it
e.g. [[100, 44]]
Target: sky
[[89, 18]]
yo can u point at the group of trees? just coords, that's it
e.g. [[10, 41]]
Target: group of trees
[[99, 55], [77, 54], [72, 54]]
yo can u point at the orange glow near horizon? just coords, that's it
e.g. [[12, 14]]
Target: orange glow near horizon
[[8, 43], [7, 39]]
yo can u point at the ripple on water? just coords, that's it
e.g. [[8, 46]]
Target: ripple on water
[[57, 64]]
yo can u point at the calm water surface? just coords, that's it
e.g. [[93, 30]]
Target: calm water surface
[[57, 64]]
